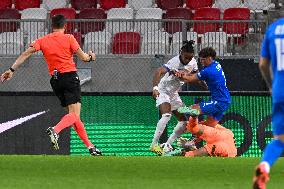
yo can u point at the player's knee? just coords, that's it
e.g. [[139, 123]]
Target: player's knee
[[166, 116]]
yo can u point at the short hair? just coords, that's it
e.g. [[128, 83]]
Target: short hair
[[58, 21], [207, 52], [188, 46]]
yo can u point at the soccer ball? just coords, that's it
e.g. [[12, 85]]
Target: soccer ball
[[166, 147]]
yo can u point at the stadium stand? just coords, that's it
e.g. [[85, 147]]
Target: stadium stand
[[169, 4], [126, 43], [177, 41], [91, 13], [40, 14], [53, 4], [109, 4], [82, 4], [193, 4], [99, 42], [155, 43], [217, 40], [206, 13], [258, 5], [224, 4], [119, 20], [6, 4], [9, 26], [25, 4], [138, 4], [11, 43], [176, 13], [69, 13], [150, 15]]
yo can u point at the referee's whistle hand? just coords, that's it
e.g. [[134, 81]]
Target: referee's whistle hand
[[7, 75], [93, 55]]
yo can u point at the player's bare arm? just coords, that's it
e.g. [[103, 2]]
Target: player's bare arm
[[157, 76], [86, 57], [264, 67], [8, 74], [187, 77]]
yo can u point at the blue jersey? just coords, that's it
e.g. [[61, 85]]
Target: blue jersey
[[215, 79], [273, 49]]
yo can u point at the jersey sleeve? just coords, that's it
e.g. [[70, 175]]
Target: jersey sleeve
[[74, 44], [36, 44], [265, 52], [203, 74], [169, 65]]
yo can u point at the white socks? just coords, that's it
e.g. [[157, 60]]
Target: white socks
[[161, 125], [178, 130], [266, 166]]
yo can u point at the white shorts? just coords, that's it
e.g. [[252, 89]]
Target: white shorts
[[173, 99]]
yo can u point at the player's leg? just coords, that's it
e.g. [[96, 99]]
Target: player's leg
[[274, 149]]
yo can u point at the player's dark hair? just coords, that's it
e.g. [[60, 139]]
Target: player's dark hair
[[207, 52], [58, 21], [188, 46]]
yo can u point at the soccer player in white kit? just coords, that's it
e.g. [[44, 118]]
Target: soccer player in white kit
[[165, 90]]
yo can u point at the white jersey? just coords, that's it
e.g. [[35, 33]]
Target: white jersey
[[171, 84]]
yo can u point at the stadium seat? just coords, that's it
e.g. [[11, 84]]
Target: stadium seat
[[99, 42], [205, 14], [216, 40], [6, 4], [11, 43], [196, 4], [176, 13], [177, 41], [126, 43], [82, 4], [236, 14], [155, 43], [225, 4], [169, 4], [53, 4], [94, 26], [257, 4], [125, 16], [150, 15], [25, 4], [109, 4], [138, 4], [9, 26], [69, 13], [40, 14]]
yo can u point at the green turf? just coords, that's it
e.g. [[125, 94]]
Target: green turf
[[60, 172]]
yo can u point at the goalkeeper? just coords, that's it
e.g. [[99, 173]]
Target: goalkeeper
[[219, 140]]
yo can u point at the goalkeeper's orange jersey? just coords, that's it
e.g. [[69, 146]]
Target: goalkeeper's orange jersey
[[219, 141]]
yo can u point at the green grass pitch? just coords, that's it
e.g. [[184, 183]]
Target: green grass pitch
[[60, 172]]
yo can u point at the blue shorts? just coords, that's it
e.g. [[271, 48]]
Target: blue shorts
[[214, 108], [278, 118]]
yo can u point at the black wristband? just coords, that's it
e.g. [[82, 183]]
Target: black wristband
[[11, 69]]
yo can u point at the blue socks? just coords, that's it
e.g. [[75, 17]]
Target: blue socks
[[273, 151]]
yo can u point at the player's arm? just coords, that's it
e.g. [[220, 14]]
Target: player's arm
[[86, 57], [8, 74], [157, 76], [189, 78], [264, 67]]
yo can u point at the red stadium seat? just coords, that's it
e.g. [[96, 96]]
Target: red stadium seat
[[109, 4], [24, 4], [176, 13], [5, 4], [196, 4], [9, 14], [82, 4], [236, 14], [169, 4], [69, 13], [206, 14], [126, 43], [91, 13]]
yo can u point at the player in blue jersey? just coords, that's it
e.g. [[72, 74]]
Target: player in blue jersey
[[272, 58], [215, 79]]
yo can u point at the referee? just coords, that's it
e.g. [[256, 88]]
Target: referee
[[58, 49]]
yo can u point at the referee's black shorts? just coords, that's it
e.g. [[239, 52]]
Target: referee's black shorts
[[67, 88]]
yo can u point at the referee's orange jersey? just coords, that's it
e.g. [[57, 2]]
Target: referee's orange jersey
[[58, 49]]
